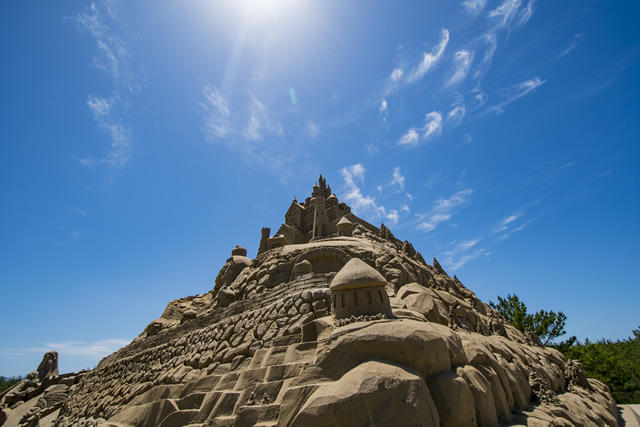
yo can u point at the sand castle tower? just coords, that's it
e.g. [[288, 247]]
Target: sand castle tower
[[359, 289], [344, 227]]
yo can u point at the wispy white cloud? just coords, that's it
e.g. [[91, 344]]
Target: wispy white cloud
[[114, 52], [507, 221], [396, 74], [461, 253], [224, 123], [365, 205], [383, 109], [457, 199], [490, 43], [516, 92], [313, 130], [429, 59], [432, 128], [468, 244], [511, 224], [119, 152], [392, 216], [261, 121], [361, 204], [110, 113], [511, 13], [506, 12], [100, 107], [432, 125], [96, 349], [383, 106], [526, 13], [457, 113], [454, 260], [410, 138], [397, 179], [216, 113], [433, 221], [572, 45], [357, 171], [443, 210], [461, 64], [405, 208], [508, 233], [474, 6]]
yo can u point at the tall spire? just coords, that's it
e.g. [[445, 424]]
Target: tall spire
[[322, 182]]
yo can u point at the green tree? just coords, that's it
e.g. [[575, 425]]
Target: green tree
[[6, 383], [616, 363], [547, 325]]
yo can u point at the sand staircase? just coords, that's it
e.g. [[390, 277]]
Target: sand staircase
[[251, 394]]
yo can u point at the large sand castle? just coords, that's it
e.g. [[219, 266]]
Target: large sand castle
[[334, 323]]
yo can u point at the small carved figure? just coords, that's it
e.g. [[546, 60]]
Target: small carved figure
[[496, 324], [576, 377], [542, 392], [266, 400], [531, 338], [252, 399], [452, 320]]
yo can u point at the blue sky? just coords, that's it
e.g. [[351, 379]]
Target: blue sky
[[143, 140]]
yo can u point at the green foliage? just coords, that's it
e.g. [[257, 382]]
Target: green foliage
[[7, 383], [616, 363], [547, 325]]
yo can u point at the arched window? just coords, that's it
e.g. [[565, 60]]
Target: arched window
[[355, 297], [381, 298], [369, 297]]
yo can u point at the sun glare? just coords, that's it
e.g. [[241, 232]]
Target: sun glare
[[259, 11]]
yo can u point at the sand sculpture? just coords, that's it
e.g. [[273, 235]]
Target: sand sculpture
[[335, 322]]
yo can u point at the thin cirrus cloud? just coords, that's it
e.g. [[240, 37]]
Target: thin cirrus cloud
[[572, 45], [216, 113], [457, 113], [222, 123], [261, 121], [458, 257], [397, 178], [432, 125], [509, 225], [95, 350], [313, 130], [354, 176], [251, 128], [506, 12], [511, 13], [432, 128], [110, 113], [119, 152], [383, 106], [474, 6], [401, 77], [396, 74], [443, 210], [429, 59], [516, 92], [410, 138], [462, 63]]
